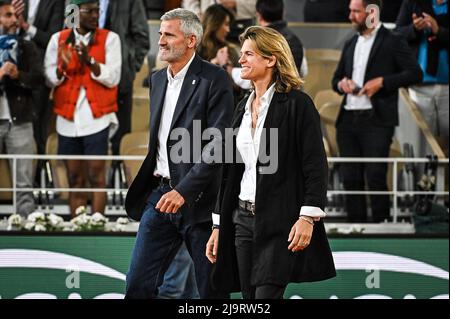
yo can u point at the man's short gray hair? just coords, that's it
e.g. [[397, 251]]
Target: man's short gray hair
[[190, 23]]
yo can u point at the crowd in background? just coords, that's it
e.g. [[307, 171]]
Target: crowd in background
[[86, 76]]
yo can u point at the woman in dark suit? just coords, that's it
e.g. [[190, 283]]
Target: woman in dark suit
[[270, 230]]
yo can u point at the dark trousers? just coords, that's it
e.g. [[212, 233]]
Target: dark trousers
[[357, 136], [125, 108], [244, 224], [158, 241], [42, 110]]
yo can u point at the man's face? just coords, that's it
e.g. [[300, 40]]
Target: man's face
[[173, 44], [8, 19], [89, 15], [358, 15]]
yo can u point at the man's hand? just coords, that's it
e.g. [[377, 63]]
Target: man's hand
[[347, 85], [431, 23], [65, 54], [419, 22], [170, 202], [211, 246], [372, 87], [82, 53], [19, 6], [22, 23], [300, 235], [10, 70], [229, 4]]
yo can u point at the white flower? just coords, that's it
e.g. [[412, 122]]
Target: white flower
[[80, 211], [54, 220], [80, 220], [69, 228], [36, 217], [98, 219], [29, 226], [123, 221], [15, 220], [40, 228]]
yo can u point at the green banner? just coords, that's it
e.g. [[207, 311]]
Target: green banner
[[79, 267]]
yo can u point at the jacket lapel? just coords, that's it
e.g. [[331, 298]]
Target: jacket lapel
[[275, 114], [110, 13], [190, 83], [157, 103], [351, 58], [376, 46]]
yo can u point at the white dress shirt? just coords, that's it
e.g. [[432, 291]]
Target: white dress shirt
[[248, 147], [84, 123], [173, 91], [361, 58], [33, 6]]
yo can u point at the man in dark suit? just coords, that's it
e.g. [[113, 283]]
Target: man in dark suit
[[374, 65], [174, 193], [126, 18], [38, 21]]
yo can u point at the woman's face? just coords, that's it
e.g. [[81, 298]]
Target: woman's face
[[254, 66], [223, 31]]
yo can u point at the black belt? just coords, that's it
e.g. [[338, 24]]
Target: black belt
[[164, 181], [247, 206]]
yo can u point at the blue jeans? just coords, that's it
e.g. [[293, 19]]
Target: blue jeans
[[179, 280], [159, 239]]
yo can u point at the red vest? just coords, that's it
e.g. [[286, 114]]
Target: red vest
[[102, 99]]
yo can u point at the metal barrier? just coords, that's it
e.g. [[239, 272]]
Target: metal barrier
[[396, 193]]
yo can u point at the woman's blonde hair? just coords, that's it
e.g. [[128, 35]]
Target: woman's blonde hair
[[269, 42]]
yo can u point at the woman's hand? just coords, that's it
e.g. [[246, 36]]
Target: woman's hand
[[300, 235], [212, 245]]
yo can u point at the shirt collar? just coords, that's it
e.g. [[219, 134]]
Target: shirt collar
[[265, 99], [85, 37], [182, 74]]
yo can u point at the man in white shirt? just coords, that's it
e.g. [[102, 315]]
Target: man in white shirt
[[173, 199], [84, 67], [375, 63]]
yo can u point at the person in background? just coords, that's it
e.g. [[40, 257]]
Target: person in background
[[269, 13], [38, 21], [83, 65], [19, 75], [374, 64], [425, 26], [127, 19], [243, 10]]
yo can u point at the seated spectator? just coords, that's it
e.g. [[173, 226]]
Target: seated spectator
[[425, 26], [326, 11], [243, 10], [216, 23], [84, 66], [375, 63], [214, 46], [19, 74]]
